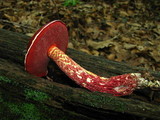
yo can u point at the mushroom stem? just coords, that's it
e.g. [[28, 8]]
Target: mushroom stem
[[117, 85], [54, 36]]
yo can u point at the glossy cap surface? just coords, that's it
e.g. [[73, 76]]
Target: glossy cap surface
[[36, 59]]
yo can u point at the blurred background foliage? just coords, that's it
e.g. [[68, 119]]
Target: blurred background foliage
[[120, 30]]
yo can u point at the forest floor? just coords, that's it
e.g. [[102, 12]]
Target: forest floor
[[126, 31]]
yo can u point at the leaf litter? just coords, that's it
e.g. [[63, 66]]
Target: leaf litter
[[125, 31]]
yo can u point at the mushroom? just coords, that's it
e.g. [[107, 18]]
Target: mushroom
[[50, 42]]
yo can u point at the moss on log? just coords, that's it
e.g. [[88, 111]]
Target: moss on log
[[23, 96]]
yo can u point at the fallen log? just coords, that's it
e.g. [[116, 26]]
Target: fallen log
[[23, 96]]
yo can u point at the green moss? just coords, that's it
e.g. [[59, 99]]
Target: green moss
[[14, 108], [13, 79], [19, 110], [26, 111], [91, 99], [8, 80], [5, 79], [36, 95], [71, 2], [97, 100]]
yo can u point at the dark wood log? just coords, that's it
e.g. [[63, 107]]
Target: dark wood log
[[23, 96]]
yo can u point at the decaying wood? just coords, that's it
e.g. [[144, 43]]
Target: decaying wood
[[61, 97]]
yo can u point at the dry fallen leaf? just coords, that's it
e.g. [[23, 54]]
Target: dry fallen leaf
[[119, 30]]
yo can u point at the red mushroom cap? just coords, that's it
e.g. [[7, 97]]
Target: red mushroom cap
[[36, 59]]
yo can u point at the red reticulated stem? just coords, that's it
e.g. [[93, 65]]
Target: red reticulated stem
[[117, 85]]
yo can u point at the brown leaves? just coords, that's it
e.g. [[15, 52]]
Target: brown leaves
[[119, 30]]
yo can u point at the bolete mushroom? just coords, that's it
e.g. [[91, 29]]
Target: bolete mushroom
[[50, 42]]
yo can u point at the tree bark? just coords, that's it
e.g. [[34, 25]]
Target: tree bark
[[23, 96]]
